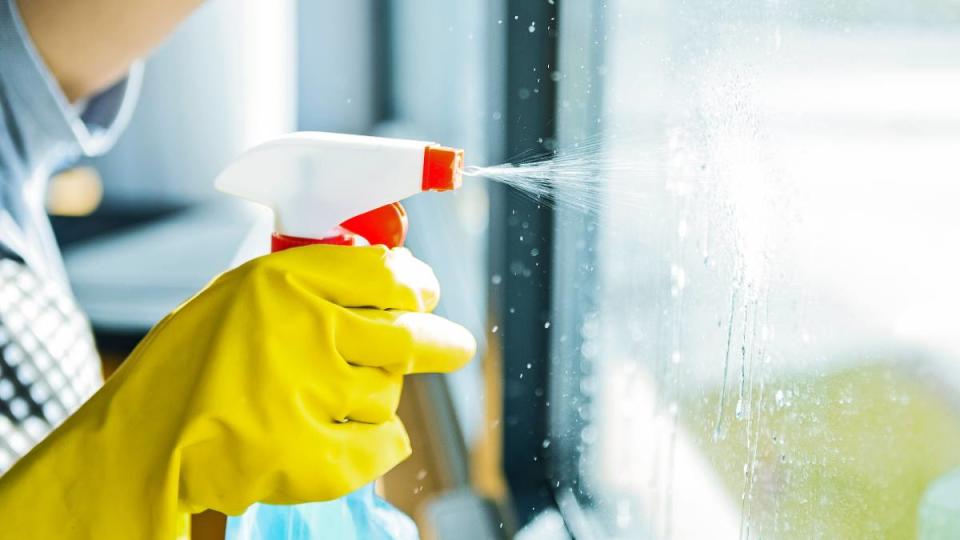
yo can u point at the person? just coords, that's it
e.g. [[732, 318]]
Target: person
[[278, 382]]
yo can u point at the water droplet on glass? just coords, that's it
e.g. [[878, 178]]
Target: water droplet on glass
[[623, 514], [778, 397], [494, 329], [678, 276], [532, 28]]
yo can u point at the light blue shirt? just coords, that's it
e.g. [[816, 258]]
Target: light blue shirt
[[40, 133]]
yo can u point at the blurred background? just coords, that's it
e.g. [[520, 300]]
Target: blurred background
[[766, 346]]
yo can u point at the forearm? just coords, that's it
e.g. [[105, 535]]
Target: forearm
[[77, 482], [89, 44]]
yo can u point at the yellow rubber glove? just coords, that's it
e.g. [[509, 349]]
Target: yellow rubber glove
[[278, 383]]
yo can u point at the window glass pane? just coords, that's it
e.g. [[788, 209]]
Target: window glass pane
[[774, 351]]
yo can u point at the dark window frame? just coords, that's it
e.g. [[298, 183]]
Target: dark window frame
[[541, 371], [521, 232]]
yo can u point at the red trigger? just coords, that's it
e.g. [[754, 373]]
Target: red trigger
[[386, 225]]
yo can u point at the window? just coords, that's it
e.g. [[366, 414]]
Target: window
[[765, 342]]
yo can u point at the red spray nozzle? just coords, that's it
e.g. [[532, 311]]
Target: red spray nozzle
[[442, 168]]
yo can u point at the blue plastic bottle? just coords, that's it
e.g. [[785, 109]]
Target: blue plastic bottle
[[361, 515]]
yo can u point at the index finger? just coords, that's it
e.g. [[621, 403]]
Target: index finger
[[403, 342]]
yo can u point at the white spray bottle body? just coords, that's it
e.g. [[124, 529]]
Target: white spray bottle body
[[314, 181]]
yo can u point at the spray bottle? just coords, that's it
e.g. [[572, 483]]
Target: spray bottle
[[336, 189]]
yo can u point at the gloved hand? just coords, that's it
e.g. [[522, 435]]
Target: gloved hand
[[278, 383]]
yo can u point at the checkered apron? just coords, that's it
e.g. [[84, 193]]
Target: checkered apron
[[48, 363]]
